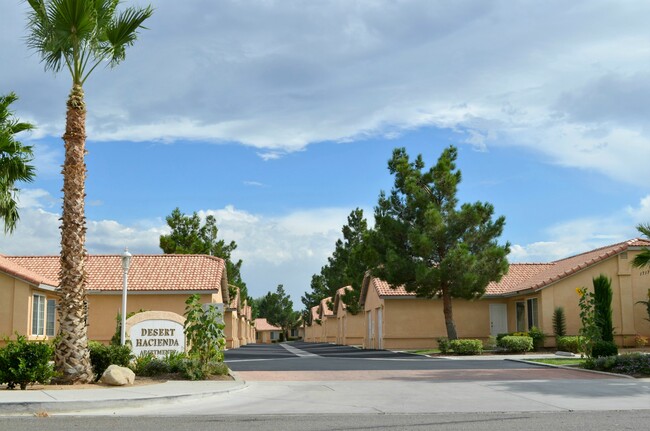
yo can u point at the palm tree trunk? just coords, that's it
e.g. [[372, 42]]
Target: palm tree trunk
[[72, 357]]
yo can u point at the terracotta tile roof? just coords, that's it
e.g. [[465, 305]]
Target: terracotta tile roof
[[14, 269], [337, 297], [262, 325], [164, 272], [323, 309], [527, 276]]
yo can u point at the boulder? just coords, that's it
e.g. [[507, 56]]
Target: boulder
[[117, 376]]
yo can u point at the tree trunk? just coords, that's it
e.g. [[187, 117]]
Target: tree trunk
[[72, 358], [449, 316]]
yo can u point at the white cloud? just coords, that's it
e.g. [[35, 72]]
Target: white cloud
[[285, 249], [569, 82], [576, 236]]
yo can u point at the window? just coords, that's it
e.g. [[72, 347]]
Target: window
[[51, 313], [38, 315], [532, 313], [274, 335], [521, 316]]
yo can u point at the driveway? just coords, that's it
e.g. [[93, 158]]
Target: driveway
[[300, 361]]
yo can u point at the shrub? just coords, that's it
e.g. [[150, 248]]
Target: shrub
[[603, 307], [153, 367], [466, 347], [632, 364], [443, 345], [500, 336], [101, 356], [140, 363], [491, 343], [24, 363], [515, 343], [569, 344], [559, 322], [603, 348], [640, 341], [196, 370], [538, 337], [176, 362]]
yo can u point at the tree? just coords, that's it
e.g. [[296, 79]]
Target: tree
[[15, 161], [603, 306], [190, 236], [78, 35], [642, 260], [277, 308], [346, 266], [426, 242]]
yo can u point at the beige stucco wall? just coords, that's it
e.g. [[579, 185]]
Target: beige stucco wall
[[312, 333], [328, 330], [232, 329], [16, 297], [103, 309], [629, 285]]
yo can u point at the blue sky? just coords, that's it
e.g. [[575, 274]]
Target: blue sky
[[279, 117]]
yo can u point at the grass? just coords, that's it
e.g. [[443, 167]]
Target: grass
[[559, 361], [423, 352]]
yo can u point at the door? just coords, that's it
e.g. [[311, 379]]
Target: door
[[370, 342], [498, 319], [380, 334]]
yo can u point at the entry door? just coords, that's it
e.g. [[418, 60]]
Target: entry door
[[380, 332], [498, 319], [371, 344]]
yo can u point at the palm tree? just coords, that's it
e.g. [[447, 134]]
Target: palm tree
[[643, 258], [14, 162], [78, 35]]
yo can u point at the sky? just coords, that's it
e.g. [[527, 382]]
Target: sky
[[279, 117]]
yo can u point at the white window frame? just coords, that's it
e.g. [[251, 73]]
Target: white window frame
[[38, 314]]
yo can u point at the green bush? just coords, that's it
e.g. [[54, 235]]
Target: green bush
[[569, 344], [501, 335], [559, 322], [443, 345], [101, 356], [196, 370], [154, 367], [632, 364], [604, 348], [176, 361], [140, 363], [24, 363], [538, 337], [516, 343], [466, 347]]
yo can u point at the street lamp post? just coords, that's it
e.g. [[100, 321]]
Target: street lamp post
[[126, 262]]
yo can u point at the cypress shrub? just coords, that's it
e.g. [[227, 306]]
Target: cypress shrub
[[603, 306], [559, 322], [604, 348]]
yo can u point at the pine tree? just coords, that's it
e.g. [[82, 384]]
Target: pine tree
[[603, 306], [426, 241]]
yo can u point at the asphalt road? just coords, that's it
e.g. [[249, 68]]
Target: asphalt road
[[557, 421], [328, 357]]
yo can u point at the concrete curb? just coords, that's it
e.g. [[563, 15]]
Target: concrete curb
[[604, 373], [23, 408]]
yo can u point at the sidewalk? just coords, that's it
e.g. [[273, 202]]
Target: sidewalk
[[17, 402]]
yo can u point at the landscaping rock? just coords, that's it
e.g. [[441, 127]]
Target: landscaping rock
[[118, 376], [567, 354]]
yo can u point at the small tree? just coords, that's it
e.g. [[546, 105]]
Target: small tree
[[603, 306], [427, 242], [277, 308], [559, 322], [204, 334], [590, 331]]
